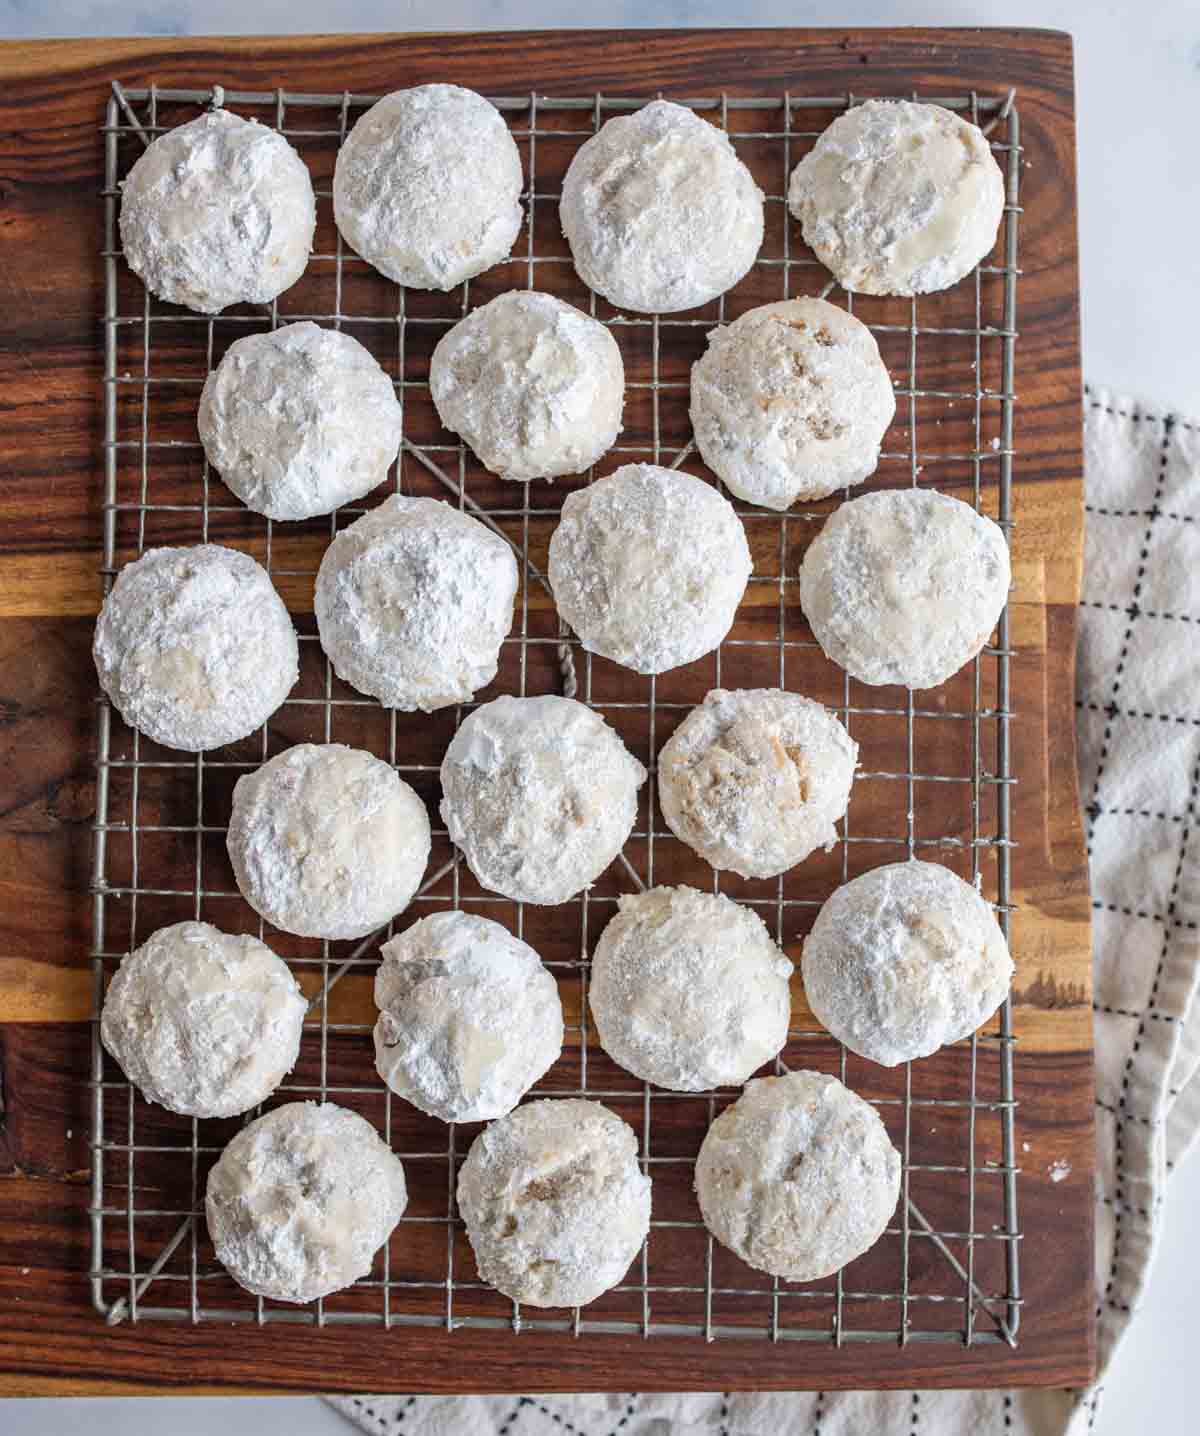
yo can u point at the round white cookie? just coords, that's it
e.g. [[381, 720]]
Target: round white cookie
[[555, 1204], [203, 1022], [413, 601], [905, 586], [755, 779], [469, 1018], [216, 212], [903, 960], [299, 421], [688, 991], [660, 213], [427, 186], [300, 1201], [797, 1177], [195, 647], [540, 795], [533, 385], [327, 841], [898, 197], [791, 401], [648, 567]]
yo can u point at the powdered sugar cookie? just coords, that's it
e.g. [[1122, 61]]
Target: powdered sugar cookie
[[688, 990], [904, 959], [427, 186], [790, 402], [195, 647], [660, 213], [533, 385], [327, 841], [202, 1021], [555, 1203], [216, 212], [755, 779], [648, 567], [413, 601], [300, 1201], [898, 197], [905, 586], [540, 795], [299, 421], [469, 1018], [798, 1177]]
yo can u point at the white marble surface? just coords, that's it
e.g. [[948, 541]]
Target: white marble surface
[[1138, 67]]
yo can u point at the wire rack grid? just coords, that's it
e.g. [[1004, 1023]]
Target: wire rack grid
[[935, 777]]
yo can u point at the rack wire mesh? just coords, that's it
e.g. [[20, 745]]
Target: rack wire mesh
[[935, 776]]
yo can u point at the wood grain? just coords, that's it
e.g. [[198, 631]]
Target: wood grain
[[50, 365]]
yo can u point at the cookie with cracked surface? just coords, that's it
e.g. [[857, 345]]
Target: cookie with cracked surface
[[905, 586], [898, 197], [540, 794], [798, 1176], [413, 601], [535, 386], [790, 402], [204, 1022], [299, 421], [216, 212], [301, 1199], [427, 186], [754, 779], [194, 646], [688, 990], [469, 1018], [327, 841], [659, 211], [555, 1203], [904, 959]]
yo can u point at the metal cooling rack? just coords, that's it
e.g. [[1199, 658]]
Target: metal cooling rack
[[150, 1260]]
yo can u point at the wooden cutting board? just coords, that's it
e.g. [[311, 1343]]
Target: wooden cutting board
[[54, 95]]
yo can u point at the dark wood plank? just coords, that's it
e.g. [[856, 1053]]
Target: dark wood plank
[[50, 162], [50, 1341]]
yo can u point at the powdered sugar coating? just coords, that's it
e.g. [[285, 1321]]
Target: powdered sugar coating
[[755, 779], [427, 186], [469, 1018], [413, 601], [204, 1022], [660, 213], [688, 991], [300, 1201], [195, 647], [798, 1176], [898, 197], [216, 212], [299, 421], [533, 385], [791, 401], [905, 586], [555, 1204], [540, 795], [648, 567], [904, 959], [327, 841]]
